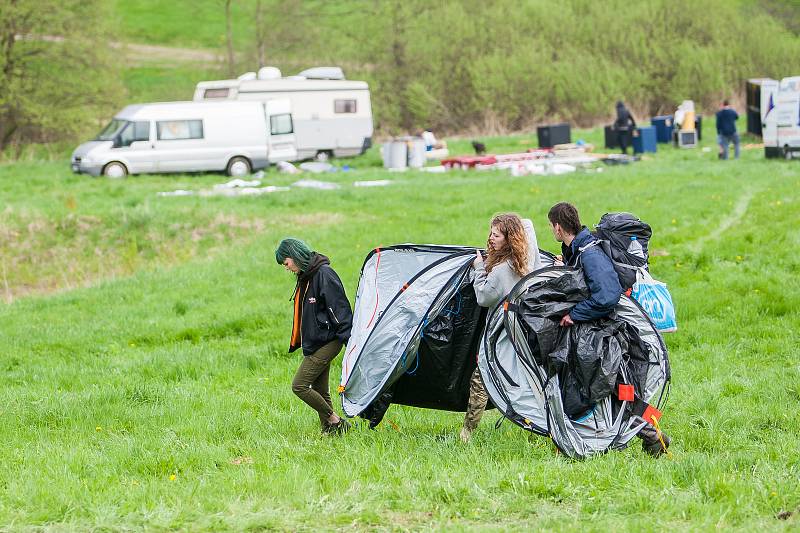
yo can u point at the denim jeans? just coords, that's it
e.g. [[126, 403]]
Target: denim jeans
[[724, 141]]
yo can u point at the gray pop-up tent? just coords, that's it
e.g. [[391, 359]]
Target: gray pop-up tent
[[415, 324], [416, 330], [590, 387]]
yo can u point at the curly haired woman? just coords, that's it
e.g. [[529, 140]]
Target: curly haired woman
[[512, 252]]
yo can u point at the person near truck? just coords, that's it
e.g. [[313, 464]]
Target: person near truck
[[320, 326], [579, 251], [726, 130], [512, 252], [624, 126]]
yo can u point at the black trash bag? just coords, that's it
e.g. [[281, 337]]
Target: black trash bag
[[599, 348], [542, 308]]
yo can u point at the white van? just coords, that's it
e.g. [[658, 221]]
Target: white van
[[236, 137], [332, 115], [780, 117]]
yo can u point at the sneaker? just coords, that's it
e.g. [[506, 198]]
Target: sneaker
[[654, 447], [465, 435]]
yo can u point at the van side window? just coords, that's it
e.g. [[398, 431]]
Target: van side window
[[344, 106], [134, 131], [281, 124], [171, 130], [216, 93]]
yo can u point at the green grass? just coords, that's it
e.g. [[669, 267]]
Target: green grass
[[158, 395]]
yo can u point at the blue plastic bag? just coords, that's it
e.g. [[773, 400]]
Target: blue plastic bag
[[656, 300]]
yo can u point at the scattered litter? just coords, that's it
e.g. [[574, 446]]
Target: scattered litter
[[179, 192], [372, 183], [436, 170], [706, 149], [242, 191], [287, 168], [259, 175], [234, 183], [315, 184], [317, 167]]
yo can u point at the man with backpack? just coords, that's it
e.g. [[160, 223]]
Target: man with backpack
[[582, 249]]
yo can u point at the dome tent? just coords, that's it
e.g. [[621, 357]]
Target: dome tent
[[588, 387], [416, 331]]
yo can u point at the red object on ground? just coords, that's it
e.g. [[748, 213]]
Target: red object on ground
[[468, 161]]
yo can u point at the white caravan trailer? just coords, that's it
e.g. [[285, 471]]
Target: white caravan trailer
[[236, 137], [780, 117], [332, 115]]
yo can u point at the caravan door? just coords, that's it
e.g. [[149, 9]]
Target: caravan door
[[282, 143]]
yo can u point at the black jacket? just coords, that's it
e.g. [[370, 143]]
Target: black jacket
[[326, 312]]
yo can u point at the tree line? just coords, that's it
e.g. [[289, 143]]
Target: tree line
[[473, 65]]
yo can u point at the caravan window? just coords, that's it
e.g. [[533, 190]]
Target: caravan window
[[134, 131], [172, 130], [344, 106], [281, 124], [216, 93]]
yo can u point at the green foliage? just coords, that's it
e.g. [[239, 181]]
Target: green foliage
[[54, 75], [157, 397]]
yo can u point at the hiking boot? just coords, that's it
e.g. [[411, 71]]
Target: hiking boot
[[339, 428], [654, 447], [465, 435]]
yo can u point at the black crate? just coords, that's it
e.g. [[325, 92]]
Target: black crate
[[554, 134], [611, 137]]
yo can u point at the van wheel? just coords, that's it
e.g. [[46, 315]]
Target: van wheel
[[115, 170], [786, 152], [324, 155], [238, 166]]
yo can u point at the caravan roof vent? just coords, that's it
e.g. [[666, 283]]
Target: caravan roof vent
[[247, 76], [323, 73], [269, 73]]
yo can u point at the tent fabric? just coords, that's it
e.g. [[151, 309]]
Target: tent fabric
[[416, 330], [402, 289], [561, 382]]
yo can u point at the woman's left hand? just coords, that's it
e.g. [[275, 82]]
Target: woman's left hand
[[478, 259]]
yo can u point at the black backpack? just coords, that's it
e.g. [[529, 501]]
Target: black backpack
[[615, 231]]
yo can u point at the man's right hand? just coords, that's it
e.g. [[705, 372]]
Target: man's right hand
[[566, 322]]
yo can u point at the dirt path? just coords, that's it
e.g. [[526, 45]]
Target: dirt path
[[734, 217]]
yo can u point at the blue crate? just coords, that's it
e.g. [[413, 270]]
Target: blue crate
[[663, 125], [644, 140]]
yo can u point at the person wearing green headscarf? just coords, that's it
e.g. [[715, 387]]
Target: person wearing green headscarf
[[320, 326]]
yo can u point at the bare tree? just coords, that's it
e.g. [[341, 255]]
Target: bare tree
[[229, 38], [261, 44]]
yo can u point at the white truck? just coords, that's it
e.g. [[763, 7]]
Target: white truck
[[332, 115], [780, 117], [235, 137]]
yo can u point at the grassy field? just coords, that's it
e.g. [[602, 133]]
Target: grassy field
[[146, 385]]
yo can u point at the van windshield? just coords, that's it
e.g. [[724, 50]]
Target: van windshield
[[110, 131]]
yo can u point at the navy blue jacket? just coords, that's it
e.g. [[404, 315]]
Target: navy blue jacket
[[726, 121], [600, 276]]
